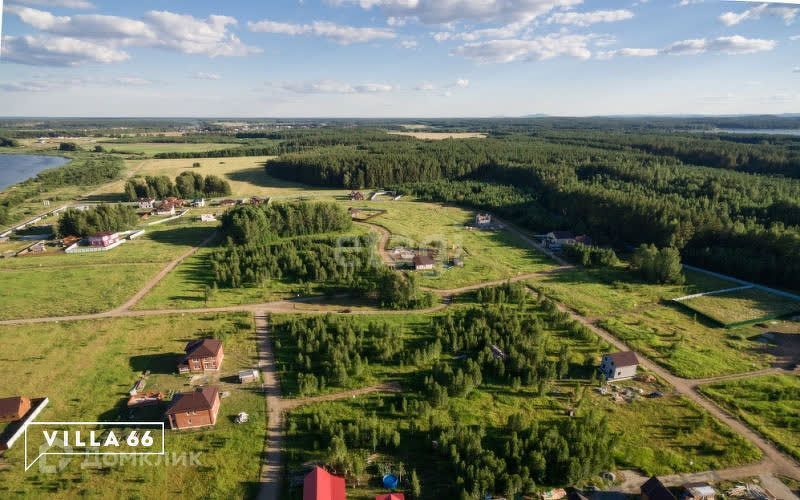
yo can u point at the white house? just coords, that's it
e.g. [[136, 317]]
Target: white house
[[483, 220], [619, 365], [207, 218], [199, 202], [147, 203]]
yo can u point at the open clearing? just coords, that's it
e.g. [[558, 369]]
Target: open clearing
[[245, 175], [86, 369], [643, 315], [56, 283], [769, 404], [439, 136], [152, 148], [741, 306], [487, 255]]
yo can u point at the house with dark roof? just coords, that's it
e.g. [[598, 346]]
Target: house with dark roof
[[202, 356], [320, 484], [654, 489], [423, 262], [190, 410], [619, 365]]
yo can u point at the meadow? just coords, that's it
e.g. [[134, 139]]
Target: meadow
[[487, 254], [86, 369], [643, 315], [741, 306], [769, 404], [57, 284]]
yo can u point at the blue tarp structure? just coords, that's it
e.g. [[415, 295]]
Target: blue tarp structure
[[390, 481]]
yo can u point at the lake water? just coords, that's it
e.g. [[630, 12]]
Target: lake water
[[17, 168], [768, 131]]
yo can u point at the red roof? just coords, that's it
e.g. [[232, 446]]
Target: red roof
[[199, 400], [391, 496], [206, 348], [319, 484]]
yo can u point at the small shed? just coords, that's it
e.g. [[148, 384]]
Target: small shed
[[423, 262], [698, 491], [248, 376]]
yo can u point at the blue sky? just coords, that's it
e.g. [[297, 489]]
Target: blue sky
[[398, 58]]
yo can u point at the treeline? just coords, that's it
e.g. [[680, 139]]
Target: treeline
[[103, 218], [187, 185], [328, 351], [590, 255], [83, 172], [343, 263], [263, 150], [259, 223], [525, 455], [6, 142], [658, 265]]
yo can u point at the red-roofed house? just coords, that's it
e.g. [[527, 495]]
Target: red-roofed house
[[198, 408], [201, 356], [15, 408], [319, 484], [390, 496]]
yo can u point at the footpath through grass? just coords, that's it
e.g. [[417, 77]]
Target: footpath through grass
[[86, 369]]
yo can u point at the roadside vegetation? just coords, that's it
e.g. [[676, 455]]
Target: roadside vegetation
[[769, 404]]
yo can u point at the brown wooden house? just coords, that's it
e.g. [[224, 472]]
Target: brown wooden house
[[202, 356], [15, 408], [190, 410]]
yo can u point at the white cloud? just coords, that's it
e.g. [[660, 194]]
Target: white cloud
[[731, 45], [409, 44], [589, 18], [69, 4], [333, 87], [133, 81], [445, 11], [200, 75], [162, 29], [536, 49], [796, 69], [462, 83], [794, 37], [45, 83], [512, 30], [788, 14], [340, 34], [57, 51]]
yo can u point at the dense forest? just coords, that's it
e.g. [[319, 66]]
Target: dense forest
[[188, 185], [103, 218], [259, 223], [708, 197]]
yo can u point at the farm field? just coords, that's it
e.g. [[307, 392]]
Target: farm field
[[152, 148], [643, 316], [741, 306], [487, 255], [112, 354], [56, 284], [440, 136], [245, 175], [769, 404]]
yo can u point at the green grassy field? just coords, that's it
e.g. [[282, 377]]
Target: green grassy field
[[86, 369], [643, 315], [487, 255], [769, 404], [56, 284], [152, 148], [740, 306], [245, 175]]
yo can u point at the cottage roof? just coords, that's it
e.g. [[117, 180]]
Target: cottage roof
[[700, 489], [102, 235], [390, 496], [13, 405], [627, 358], [423, 260], [655, 490], [319, 484], [206, 348], [198, 400], [563, 235]]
